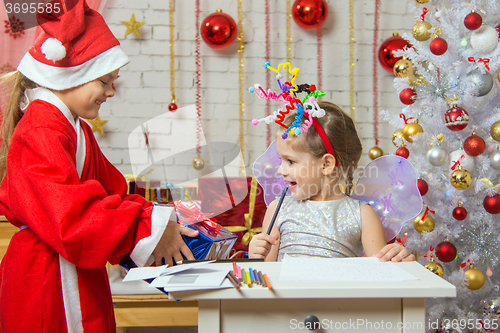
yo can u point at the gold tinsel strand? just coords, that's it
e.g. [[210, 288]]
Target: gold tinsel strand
[[242, 85], [172, 54], [351, 57], [289, 34]]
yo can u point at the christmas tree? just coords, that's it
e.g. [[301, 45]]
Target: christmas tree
[[450, 131]]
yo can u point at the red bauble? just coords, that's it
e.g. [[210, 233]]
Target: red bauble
[[310, 14], [403, 152], [172, 107], [456, 118], [473, 21], [422, 187], [438, 46], [218, 30], [459, 213], [446, 252], [474, 145], [405, 96], [497, 28], [387, 50], [492, 204]]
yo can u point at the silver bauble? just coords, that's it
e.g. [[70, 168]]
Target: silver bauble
[[495, 159], [483, 82], [437, 155], [467, 162]]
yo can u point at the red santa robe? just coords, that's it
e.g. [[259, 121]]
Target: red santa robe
[[74, 216]]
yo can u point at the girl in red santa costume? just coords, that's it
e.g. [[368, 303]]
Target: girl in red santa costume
[[68, 200]]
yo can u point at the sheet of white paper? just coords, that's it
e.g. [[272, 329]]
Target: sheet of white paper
[[197, 278], [225, 285], [184, 267], [366, 269], [143, 273]]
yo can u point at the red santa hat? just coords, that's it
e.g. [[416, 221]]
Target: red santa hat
[[74, 47]]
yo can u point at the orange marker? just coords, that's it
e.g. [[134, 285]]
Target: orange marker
[[267, 282]]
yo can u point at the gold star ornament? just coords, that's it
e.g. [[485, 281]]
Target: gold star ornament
[[133, 26], [97, 124]]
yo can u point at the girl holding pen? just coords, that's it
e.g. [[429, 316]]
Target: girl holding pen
[[319, 219]]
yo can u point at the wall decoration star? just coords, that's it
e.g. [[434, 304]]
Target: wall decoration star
[[133, 26], [97, 124]]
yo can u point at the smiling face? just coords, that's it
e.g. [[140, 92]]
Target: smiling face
[[85, 101], [305, 173]]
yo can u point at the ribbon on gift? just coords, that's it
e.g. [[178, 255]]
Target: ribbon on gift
[[485, 61], [168, 185], [128, 178], [191, 214], [249, 232]]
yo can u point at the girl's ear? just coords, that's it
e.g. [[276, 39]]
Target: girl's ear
[[329, 162]]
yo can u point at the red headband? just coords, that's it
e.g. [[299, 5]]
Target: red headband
[[324, 138]]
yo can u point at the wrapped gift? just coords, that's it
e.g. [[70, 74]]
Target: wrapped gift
[[237, 203], [162, 192], [213, 240]]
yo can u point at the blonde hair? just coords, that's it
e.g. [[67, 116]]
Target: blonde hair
[[14, 85], [340, 130]]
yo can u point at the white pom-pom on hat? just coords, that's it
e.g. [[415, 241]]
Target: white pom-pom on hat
[[53, 49]]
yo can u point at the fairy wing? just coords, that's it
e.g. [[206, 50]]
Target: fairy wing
[[389, 185]]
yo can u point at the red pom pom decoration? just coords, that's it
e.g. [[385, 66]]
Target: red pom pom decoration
[[438, 46], [403, 152], [310, 14], [388, 48], [459, 213], [456, 118], [423, 187], [473, 21], [218, 30], [492, 204], [446, 252], [474, 145], [406, 96], [172, 107]]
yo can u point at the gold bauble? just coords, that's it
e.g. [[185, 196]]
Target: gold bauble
[[498, 75], [476, 278], [421, 30], [402, 67], [435, 267], [397, 138], [495, 131], [412, 129], [461, 179], [198, 163], [427, 224], [422, 1], [375, 152]]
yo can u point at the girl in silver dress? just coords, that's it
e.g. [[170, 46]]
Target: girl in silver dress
[[319, 219]]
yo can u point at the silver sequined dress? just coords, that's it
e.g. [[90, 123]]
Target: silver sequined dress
[[330, 229]]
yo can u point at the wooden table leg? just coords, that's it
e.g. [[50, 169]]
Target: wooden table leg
[[208, 316]]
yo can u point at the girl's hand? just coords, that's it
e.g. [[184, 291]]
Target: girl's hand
[[260, 245], [394, 252], [171, 246]]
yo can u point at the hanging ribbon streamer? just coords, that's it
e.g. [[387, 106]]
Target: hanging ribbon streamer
[[242, 84], [375, 72], [351, 57], [319, 83], [172, 55], [289, 34], [268, 73], [198, 79]]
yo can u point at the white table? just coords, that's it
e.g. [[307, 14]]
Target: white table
[[340, 307]]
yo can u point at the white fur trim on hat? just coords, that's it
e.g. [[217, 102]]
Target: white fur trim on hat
[[53, 49], [60, 78]]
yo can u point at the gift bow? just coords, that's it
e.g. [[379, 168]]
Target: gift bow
[[485, 61], [247, 237]]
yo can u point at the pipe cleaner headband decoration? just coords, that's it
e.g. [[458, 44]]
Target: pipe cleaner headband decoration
[[308, 106]]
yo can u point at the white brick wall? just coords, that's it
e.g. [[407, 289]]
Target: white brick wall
[[143, 89]]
